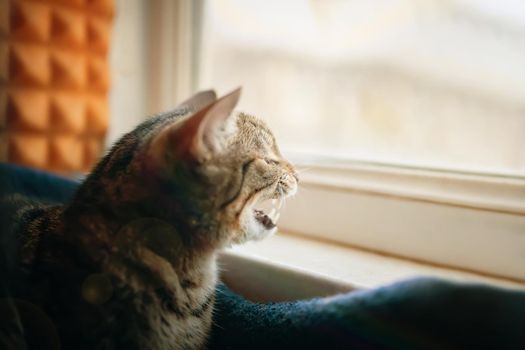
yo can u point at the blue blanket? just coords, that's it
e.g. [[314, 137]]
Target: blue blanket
[[424, 313]]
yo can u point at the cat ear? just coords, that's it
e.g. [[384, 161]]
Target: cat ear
[[200, 135], [207, 130], [198, 101]]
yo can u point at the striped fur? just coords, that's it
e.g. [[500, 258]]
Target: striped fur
[[130, 262]]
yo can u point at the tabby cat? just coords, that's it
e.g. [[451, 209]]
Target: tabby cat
[[130, 262]]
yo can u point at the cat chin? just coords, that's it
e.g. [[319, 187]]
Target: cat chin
[[253, 230], [263, 233]]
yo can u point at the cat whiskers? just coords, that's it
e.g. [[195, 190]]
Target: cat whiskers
[[282, 201], [302, 170], [305, 185]]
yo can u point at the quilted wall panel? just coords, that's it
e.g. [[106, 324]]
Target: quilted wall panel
[[54, 81]]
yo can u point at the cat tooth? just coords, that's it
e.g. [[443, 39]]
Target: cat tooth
[[277, 216], [281, 201], [272, 214]]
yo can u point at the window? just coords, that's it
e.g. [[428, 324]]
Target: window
[[407, 116], [424, 84]]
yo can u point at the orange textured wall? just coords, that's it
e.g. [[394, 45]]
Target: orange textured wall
[[54, 80]]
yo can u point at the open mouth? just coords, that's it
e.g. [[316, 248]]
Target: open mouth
[[267, 212]]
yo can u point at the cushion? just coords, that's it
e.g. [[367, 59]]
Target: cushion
[[423, 313]]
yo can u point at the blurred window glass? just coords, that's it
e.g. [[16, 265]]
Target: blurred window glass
[[431, 84]]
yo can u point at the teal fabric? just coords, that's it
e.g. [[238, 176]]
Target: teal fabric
[[35, 184], [424, 313]]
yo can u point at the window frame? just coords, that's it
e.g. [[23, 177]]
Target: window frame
[[464, 220], [398, 209]]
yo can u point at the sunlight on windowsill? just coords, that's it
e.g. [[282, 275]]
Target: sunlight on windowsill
[[329, 267]]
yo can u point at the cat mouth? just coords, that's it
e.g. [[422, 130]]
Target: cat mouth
[[268, 220]]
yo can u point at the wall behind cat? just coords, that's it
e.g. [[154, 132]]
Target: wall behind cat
[[151, 59], [54, 82], [128, 57]]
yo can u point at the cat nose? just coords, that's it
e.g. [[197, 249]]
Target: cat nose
[[292, 171], [295, 174]]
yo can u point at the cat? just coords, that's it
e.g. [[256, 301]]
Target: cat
[[130, 262]]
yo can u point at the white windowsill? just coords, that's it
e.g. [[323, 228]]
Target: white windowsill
[[288, 267], [469, 220], [491, 192]]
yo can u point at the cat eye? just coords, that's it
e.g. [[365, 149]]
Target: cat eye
[[271, 161]]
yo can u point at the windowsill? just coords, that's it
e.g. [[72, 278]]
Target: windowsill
[[468, 220], [287, 267]]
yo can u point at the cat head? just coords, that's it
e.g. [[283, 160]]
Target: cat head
[[222, 165]]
